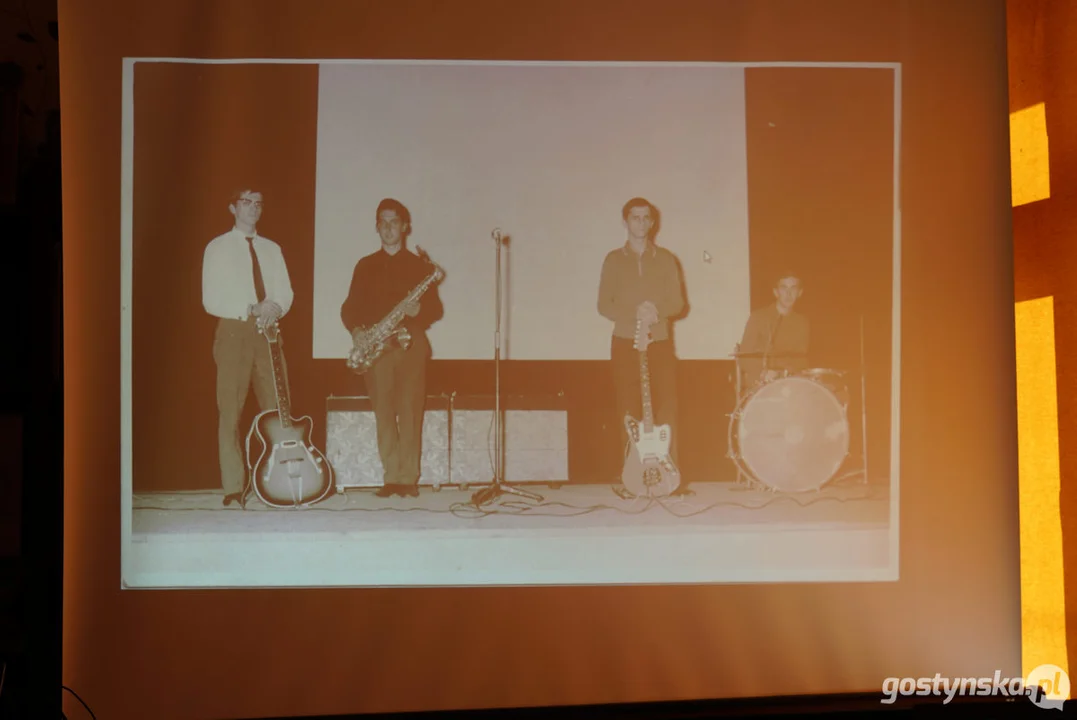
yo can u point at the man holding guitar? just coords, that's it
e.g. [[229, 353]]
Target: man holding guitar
[[396, 382], [245, 285], [641, 291]]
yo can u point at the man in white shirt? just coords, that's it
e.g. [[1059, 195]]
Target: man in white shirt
[[245, 284]]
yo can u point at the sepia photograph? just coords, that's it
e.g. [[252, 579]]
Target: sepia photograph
[[462, 323]]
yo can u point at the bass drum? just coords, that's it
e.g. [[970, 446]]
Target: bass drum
[[790, 434]]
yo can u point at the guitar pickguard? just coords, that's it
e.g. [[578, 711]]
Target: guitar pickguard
[[649, 470], [654, 444]]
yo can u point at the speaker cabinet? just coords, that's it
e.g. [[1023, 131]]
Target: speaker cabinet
[[458, 441], [351, 442], [535, 439]]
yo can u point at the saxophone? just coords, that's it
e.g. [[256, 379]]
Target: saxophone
[[371, 343]]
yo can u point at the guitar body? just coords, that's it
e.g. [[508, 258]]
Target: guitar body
[[649, 470], [287, 471]]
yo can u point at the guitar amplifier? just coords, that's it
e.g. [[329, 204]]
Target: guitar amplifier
[[458, 441], [535, 432], [351, 442]]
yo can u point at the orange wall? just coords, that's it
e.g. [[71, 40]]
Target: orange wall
[[1042, 57]]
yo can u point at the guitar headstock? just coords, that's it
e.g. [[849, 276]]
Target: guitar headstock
[[643, 335], [271, 331]]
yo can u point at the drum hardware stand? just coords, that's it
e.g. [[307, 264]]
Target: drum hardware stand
[[741, 479], [745, 480], [498, 488], [863, 408]]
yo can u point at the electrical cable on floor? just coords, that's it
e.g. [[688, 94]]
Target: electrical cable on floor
[[675, 506]]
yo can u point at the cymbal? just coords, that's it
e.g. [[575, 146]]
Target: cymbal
[[760, 354]]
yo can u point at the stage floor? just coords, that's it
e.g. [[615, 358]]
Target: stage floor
[[577, 534], [725, 505]]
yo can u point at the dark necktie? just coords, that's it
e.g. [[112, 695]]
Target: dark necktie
[[774, 332], [770, 342], [259, 284]]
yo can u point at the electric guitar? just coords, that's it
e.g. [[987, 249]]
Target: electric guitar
[[287, 471], [648, 470]]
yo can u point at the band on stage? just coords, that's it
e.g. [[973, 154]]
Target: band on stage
[[393, 301]]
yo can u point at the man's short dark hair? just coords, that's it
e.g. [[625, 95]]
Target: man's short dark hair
[[635, 203], [397, 207], [787, 274], [243, 190]]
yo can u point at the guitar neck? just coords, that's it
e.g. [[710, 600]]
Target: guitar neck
[[280, 382], [645, 387]]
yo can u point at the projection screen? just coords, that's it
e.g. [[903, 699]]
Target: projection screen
[[544, 156], [547, 153]]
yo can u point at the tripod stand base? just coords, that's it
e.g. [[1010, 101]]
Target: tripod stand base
[[488, 494]]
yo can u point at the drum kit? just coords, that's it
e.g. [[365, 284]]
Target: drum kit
[[790, 432]]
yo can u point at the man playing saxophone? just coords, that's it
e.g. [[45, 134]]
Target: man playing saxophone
[[396, 380]]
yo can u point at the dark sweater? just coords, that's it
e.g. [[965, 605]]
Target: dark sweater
[[628, 279], [787, 341], [380, 281]]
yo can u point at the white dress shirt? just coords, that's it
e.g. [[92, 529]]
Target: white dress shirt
[[228, 275]]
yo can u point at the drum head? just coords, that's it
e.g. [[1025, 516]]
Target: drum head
[[792, 434]]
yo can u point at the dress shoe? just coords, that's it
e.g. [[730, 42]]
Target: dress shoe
[[235, 497], [396, 489]]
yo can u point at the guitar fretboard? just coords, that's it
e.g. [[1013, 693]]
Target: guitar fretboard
[[645, 387], [280, 381]]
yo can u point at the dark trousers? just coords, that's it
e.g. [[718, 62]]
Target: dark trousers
[[396, 385], [662, 369], [242, 357]]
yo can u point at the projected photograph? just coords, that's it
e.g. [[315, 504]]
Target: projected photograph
[[415, 323]]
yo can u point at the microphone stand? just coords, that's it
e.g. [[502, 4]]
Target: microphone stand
[[498, 488]]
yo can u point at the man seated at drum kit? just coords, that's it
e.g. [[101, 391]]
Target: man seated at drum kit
[[775, 341], [789, 431]]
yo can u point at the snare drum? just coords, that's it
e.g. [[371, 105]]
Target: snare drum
[[833, 380], [790, 434]]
